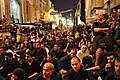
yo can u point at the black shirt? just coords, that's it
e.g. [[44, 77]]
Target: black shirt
[[99, 25], [112, 76], [81, 75], [30, 69]]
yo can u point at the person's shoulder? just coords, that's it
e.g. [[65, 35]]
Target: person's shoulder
[[79, 51], [56, 77], [40, 77], [110, 76], [69, 72], [95, 24], [83, 71]]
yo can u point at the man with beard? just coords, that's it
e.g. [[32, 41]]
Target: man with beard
[[58, 53], [39, 53], [109, 65], [31, 66], [115, 74], [77, 72], [9, 65]]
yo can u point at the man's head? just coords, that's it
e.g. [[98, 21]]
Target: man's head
[[56, 47], [9, 56], [38, 45], [42, 45], [117, 65], [18, 74], [73, 52], [48, 70], [84, 48], [28, 56], [100, 16], [75, 64], [111, 57], [22, 45]]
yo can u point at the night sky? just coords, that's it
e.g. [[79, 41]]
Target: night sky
[[64, 4]]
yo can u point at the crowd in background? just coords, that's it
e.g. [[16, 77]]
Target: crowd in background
[[63, 54]]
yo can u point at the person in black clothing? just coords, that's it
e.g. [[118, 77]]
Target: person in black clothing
[[31, 66], [1, 77], [9, 65], [18, 74], [39, 53], [77, 72], [115, 74], [13, 32], [7, 44], [64, 62], [109, 65], [99, 29], [48, 73], [52, 60], [58, 53]]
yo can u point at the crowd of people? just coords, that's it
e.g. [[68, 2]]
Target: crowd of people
[[63, 54]]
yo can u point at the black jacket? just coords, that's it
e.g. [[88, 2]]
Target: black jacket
[[81, 75]]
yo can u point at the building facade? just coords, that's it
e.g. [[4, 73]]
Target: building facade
[[94, 7], [5, 8], [114, 4], [23, 11]]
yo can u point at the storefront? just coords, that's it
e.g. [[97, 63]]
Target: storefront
[[16, 11]]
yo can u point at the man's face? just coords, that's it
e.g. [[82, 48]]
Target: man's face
[[100, 16], [75, 64], [42, 46], [49, 58], [28, 57], [7, 58], [22, 45], [56, 47], [84, 48], [7, 41], [14, 77], [37, 45], [73, 52], [117, 67], [47, 71], [110, 59]]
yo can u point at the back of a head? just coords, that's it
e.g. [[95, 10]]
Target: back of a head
[[75, 57], [49, 65], [20, 73], [9, 54]]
